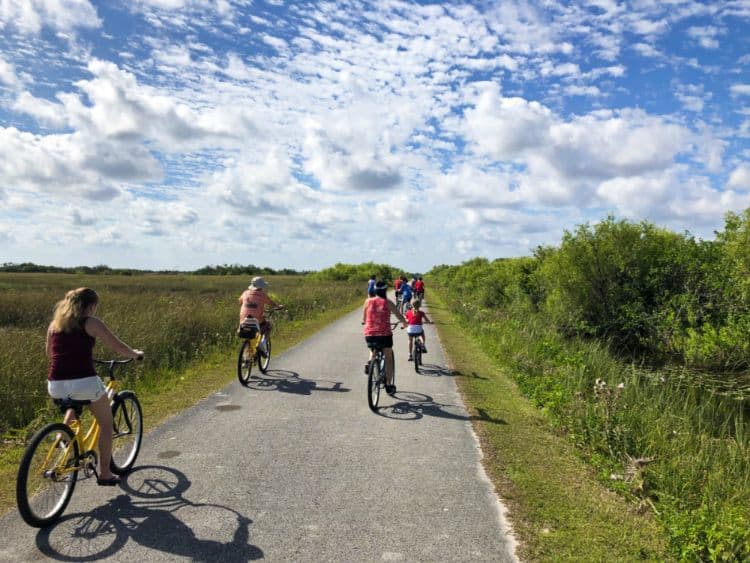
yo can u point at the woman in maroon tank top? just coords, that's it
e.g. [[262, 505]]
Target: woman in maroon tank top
[[70, 343]]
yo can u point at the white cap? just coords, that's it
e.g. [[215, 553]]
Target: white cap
[[257, 283]]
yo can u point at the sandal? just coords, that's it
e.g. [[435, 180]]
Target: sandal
[[111, 482]]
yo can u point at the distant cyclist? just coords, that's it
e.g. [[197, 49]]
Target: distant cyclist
[[371, 286], [254, 302], [376, 316], [406, 295], [419, 288], [397, 288], [416, 317]]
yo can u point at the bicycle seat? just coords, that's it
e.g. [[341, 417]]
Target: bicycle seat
[[75, 404]]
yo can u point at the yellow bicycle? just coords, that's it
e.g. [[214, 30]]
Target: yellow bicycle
[[255, 348], [58, 452]]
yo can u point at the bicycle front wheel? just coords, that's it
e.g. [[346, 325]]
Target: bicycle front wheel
[[373, 384], [264, 353], [245, 363], [47, 475], [128, 431]]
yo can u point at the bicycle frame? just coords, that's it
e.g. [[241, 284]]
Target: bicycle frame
[[86, 442]]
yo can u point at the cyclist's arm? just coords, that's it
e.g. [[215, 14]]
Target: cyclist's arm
[[96, 328], [47, 347], [395, 311], [424, 315]]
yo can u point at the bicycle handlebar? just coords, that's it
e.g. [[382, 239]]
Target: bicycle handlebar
[[112, 363]]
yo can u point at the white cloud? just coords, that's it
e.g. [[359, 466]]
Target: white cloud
[[705, 36], [8, 73], [740, 89], [46, 112], [598, 145], [740, 178], [575, 90], [72, 164], [30, 16]]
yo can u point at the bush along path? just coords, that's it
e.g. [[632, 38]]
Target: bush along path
[[558, 508]]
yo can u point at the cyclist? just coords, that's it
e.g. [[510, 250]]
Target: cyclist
[[70, 342], [254, 301], [371, 286], [397, 288], [419, 288], [406, 295], [376, 316], [415, 316]]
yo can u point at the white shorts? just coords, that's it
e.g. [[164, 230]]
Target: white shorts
[[82, 389], [414, 330]]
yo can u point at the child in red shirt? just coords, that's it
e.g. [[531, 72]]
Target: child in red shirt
[[415, 317]]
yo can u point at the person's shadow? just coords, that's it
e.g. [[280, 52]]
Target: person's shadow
[[287, 381], [151, 521]]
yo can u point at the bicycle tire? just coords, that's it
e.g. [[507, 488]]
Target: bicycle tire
[[244, 365], [373, 385], [264, 361], [128, 431], [417, 354], [41, 495]]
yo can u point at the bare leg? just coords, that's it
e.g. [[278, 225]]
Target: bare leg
[[103, 414], [70, 416]]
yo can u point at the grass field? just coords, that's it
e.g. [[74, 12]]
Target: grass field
[[184, 324]]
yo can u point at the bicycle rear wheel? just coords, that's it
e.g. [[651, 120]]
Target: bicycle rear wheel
[[417, 354], [245, 363], [45, 480], [128, 431], [264, 353], [373, 384]]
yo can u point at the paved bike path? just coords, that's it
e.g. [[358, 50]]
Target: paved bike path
[[295, 468]]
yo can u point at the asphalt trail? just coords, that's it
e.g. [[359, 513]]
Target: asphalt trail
[[295, 468]]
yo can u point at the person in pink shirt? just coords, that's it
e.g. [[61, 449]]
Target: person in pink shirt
[[376, 316], [254, 301], [416, 317]]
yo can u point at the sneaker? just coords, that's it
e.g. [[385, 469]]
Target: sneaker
[[411, 358]]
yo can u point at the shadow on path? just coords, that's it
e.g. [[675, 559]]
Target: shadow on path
[[148, 515], [411, 405], [435, 370], [290, 382]]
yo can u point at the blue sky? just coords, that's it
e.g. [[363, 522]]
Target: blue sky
[[173, 134]]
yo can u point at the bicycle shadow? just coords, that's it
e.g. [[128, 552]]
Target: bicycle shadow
[[435, 370], [411, 405], [149, 520], [287, 381]]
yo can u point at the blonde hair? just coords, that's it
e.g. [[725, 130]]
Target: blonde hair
[[417, 304], [69, 312]]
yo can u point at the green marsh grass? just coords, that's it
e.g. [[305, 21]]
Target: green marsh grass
[[675, 443]]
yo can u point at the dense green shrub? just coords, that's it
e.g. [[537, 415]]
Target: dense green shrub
[[671, 437]]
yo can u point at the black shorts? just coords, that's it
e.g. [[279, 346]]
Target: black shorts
[[379, 341]]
